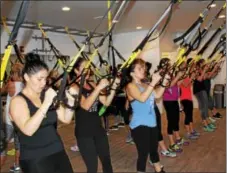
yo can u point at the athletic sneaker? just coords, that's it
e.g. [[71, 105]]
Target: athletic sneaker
[[168, 153], [217, 116], [192, 137], [175, 148], [114, 127], [182, 141], [150, 162], [207, 129], [11, 152], [74, 148], [14, 168], [212, 126], [195, 133], [212, 119]]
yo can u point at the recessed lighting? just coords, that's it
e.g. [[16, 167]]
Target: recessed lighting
[[213, 5], [65, 8], [139, 27], [221, 16]]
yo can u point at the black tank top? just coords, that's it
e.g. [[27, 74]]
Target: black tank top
[[88, 123], [45, 141]]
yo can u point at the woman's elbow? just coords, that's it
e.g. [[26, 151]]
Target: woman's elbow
[[28, 132], [67, 122], [85, 107]]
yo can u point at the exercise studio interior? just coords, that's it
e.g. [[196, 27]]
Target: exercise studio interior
[[113, 86]]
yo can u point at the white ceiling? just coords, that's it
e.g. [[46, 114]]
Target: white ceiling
[[139, 13]]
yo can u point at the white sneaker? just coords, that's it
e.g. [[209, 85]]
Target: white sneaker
[[168, 153], [212, 119]]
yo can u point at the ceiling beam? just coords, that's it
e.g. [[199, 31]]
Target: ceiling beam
[[50, 28]]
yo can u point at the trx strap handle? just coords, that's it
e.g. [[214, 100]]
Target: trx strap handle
[[140, 47], [83, 54], [118, 54], [69, 68], [60, 58], [218, 45], [189, 35], [116, 17], [12, 38], [201, 35], [206, 45], [15, 45], [199, 20]]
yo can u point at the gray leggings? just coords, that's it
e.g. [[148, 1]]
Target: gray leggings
[[203, 103], [10, 133]]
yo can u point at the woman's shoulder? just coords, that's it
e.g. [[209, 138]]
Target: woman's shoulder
[[18, 99]]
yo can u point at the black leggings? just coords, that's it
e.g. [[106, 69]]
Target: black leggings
[[93, 147], [173, 116], [188, 110], [55, 163], [146, 140], [159, 123], [120, 106]]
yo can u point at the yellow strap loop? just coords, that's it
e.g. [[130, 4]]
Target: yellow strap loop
[[74, 59], [45, 36], [180, 57], [4, 63], [5, 25], [109, 15], [41, 29]]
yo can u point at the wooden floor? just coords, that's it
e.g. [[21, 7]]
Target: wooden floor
[[207, 154]]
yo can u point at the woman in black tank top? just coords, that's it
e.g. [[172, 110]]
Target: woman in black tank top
[[42, 150], [91, 136]]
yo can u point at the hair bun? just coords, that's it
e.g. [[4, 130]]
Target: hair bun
[[32, 57]]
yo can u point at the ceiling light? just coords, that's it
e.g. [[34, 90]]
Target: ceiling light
[[65, 8], [221, 16], [213, 5], [139, 27]]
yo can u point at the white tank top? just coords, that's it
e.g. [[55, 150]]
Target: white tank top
[[18, 87]]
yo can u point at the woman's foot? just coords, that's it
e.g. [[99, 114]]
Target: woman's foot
[[162, 170], [150, 162], [208, 129], [195, 133], [191, 136], [212, 126], [74, 148], [175, 148], [15, 168], [168, 153], [11, 152], [212, 119], [217, 116], [182, 141]]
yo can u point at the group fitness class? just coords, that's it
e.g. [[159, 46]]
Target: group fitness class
[[113, 86]]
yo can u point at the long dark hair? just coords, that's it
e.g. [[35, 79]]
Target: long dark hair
[[33, 64], [126, 77], [78, 63]]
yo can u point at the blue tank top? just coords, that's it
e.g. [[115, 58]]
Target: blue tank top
[[143, 112]]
